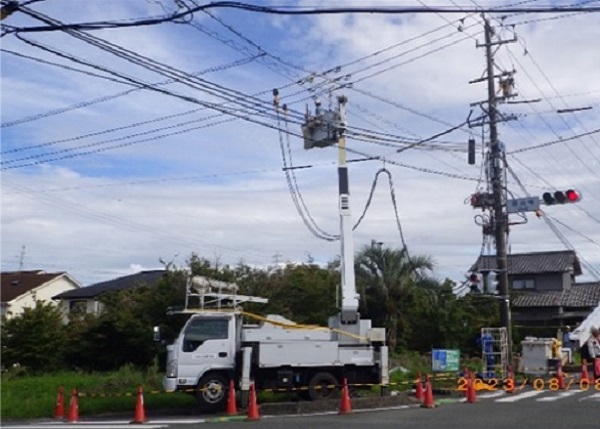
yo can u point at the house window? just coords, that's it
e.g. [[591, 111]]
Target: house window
[[77, 307], [523, 284]]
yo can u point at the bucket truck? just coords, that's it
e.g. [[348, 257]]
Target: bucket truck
[[217, 344]]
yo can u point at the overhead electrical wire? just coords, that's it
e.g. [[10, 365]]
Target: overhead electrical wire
[[553, 142], [573, 152], [290, 10], [258, 106], [111, 96]]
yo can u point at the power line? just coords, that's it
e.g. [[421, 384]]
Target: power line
[[105, 98], [553, 142], [291, 10]]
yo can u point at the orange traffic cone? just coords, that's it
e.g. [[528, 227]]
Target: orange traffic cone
[[252, 405], [584, 371], [471, 395], [428, 401], [468, 380], [59, 410], [560, 376], [510, 377], [231, 405], [345, 405], [419, 387], [73, 407], [140, 414]]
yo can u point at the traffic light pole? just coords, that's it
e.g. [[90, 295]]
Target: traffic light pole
[[500, 216]]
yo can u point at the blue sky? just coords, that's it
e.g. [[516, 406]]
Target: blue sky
[[88, 196]]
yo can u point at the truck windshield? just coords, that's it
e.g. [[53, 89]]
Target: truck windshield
[[201, 329]]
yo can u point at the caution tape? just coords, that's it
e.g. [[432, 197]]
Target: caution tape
[[224, 388], [538, 383]]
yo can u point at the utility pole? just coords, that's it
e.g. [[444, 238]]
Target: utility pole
[[500, 216], [496, 200]]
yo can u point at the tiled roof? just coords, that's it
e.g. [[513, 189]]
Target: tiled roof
[[542, 299], [17, 283], [121, 283], [583, 294], [580, 295], [533, 263]]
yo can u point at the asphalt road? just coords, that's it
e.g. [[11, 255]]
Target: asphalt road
[[527, 409]]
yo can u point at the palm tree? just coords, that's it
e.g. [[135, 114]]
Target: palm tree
[[387, 277]]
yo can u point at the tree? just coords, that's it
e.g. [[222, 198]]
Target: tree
[[303, 293], [122, 334], [387, 278], [34, 339]]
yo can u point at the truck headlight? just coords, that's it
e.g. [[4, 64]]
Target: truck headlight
[[172, 369]]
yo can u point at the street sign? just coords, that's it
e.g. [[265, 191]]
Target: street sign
[[517, 205], [445, 359]]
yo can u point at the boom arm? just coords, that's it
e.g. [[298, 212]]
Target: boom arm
[[324, 129], [349, 311]]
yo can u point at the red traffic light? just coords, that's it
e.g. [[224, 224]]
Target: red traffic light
[[573, 196], [561, 197]]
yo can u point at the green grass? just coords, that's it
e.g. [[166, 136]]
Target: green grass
[[26, 397], [416, 363]]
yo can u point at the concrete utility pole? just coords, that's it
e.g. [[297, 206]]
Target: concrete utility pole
[[497, 199]]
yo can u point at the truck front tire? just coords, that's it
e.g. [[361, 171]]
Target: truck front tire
[[322, 385], [212, 392]]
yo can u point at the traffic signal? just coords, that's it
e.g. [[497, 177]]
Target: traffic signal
[[561, 197], [471, 152], [474, 283], [493, 283]]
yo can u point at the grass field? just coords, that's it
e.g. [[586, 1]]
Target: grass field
[[30, 397], [26, 397]]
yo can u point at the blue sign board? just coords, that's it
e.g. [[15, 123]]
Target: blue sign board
[[445, 359]]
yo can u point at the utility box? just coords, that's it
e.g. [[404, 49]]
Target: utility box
[[536, 352]]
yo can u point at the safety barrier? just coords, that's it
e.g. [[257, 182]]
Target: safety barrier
[[564, 382], [469, 385]]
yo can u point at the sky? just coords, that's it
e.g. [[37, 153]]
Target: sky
[[126, 148]]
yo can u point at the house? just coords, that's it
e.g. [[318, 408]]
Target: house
[[21, 289], [86, 299], [568, 307], [544, 289]]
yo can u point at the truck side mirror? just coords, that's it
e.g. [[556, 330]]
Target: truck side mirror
[[157, 338]]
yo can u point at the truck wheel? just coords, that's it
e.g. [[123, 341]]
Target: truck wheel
[[322, 385], [212, 392]]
